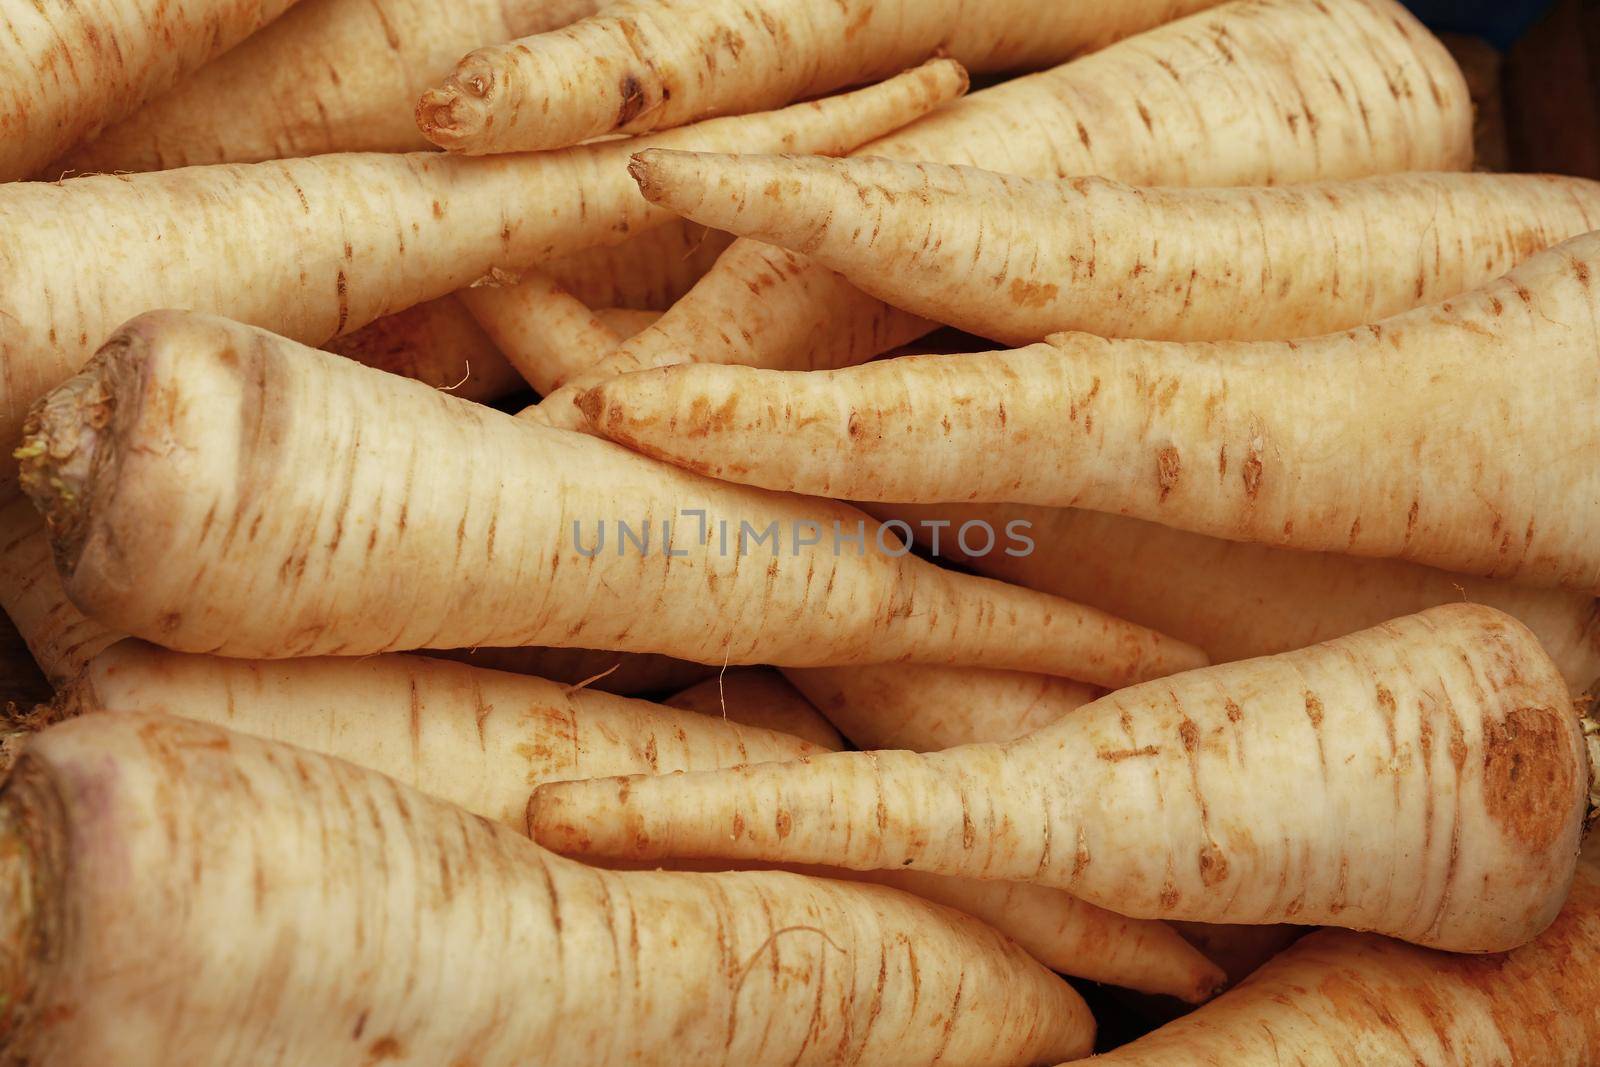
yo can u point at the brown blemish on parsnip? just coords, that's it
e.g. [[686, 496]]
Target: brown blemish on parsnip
[[1529, 780]]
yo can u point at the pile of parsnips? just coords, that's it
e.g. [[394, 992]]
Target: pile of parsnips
[[1299, 396]]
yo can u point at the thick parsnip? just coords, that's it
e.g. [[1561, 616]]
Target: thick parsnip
[[332, 916], [1239, 600], [644, 65], [1329, 444], [925, 709], [66, 69], [1426, 779], [183, 454], [481, 740], [314, 248], [476, 738], [1016, 260], [758, 696], [1265, 92], [330, 76], [1364, 999], [60, 637]]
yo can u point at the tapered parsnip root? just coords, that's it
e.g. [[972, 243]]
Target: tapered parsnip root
[[330, 76], [238, 551], [927, 708], [389, 925], [1330, 444], [1260, 93], [1385, 1002], [758, 696], [639, 66], [545, 332], [1016, 259], [314, 248], [1239, 600], [61, 639], [66, 69], [1425, 779], [478, 739], [1239, 950]]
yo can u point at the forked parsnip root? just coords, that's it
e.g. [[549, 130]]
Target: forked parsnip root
[[1426, 779], [175, 893]]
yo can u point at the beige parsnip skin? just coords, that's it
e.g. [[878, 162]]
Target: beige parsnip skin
[[66, 69], [332, 916], [1425, 779], [1328, 444], [758, 696], [437, 342], [314, 248], [1341, 999], [330, 76], [545, 332], [1017, 259], [649, 271], [1224, 97], [58, 635], [478, 739], [173, 473], [639, 66], [1238, 600], [927, 708]]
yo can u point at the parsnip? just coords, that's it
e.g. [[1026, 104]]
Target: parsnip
[[331, 76], [66, 69], [1426, 779], [318, 247], [1016, 259], [332, 916], [1240, 600], [927, 708], [1364, 999], [1265, 92], [1330, 444], [761, 697], [652, 64], [651, 270], [181, 455], [545, 332], [479, 739]]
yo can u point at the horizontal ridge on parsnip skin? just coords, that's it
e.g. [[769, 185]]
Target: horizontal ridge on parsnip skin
[[313, 248], [1331, 444], [640, 66], [1017, 259], [432, 934], [1426, 779], [181, 455], [1395, 1003], [1225, 97]]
